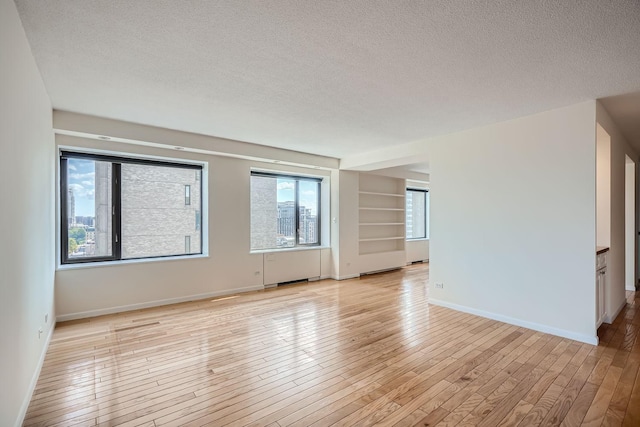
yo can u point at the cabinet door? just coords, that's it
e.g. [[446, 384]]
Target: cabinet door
[[600, 287]]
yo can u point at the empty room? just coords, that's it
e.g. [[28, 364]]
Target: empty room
[[295, 213]]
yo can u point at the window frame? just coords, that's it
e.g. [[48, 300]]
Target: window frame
[[116, 161], [426, 212], [296, 178]]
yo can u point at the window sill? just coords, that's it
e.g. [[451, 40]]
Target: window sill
[[101, 264], [297, 248], [418, 240]]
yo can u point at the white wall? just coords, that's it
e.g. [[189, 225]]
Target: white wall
[[615, 290], [603, 187], [344, 224], [26, 218], [83, 291], [524, 192], [630, 224]]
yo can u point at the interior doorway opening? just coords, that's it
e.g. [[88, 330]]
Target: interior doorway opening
[[631, 260]]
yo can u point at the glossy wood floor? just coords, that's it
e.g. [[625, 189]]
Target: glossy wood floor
[[358, 352]]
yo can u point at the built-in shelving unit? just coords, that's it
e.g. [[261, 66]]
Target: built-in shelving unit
[[382, 222]]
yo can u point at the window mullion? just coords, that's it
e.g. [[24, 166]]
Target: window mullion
[[116, 232], [64, 214], [297, 212]]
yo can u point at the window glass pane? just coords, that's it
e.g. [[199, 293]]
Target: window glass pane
[[89, 202], [155, 220], [416, 215], [426, 214], [286, 213], [308, 211], [281, 208], [264, 212]]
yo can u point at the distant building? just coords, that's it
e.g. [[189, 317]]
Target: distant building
[[102, 222], [84, 220], [409, 214], [71, 208], [160, 210], [287, 222], [264, 230]]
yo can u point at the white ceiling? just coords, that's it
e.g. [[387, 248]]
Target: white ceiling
[[335, 78]]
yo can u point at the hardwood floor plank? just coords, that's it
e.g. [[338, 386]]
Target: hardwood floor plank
[[632, 416], [600, 403], [368, 351]]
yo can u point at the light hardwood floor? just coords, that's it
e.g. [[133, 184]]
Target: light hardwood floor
[[358, 352]]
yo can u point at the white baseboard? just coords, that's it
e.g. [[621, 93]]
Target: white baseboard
[[34, 378], [138, 306], [518, 322], [610, 319], [632, 289]]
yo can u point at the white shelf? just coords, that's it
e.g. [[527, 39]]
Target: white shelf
[[372, 193], [381, 220], [377, 239]]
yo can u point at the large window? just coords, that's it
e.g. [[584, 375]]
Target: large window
[[117, 208], [285, 211], [417, 221]]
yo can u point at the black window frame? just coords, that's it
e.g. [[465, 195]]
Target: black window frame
[[297, 178], [116, 208], [426, 213]]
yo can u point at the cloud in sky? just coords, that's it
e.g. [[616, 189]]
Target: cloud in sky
[[286, 185], [79, 176], [81, 180], [81, 191]]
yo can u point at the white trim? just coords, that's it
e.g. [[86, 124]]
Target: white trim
[[609, 319], [99, 264], [593, 340], [138, 306], [34, 378]]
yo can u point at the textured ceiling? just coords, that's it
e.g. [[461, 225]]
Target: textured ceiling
[[330, 77]]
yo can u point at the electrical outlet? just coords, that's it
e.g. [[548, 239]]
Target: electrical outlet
[[439, 285], [40, 333], [46, 318]]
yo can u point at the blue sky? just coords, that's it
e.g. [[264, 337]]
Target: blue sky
[[81, 179]]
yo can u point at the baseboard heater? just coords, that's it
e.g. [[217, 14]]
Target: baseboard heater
[[291, 282], [368, 273]]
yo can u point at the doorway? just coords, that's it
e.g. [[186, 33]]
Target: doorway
[[630, 224]]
